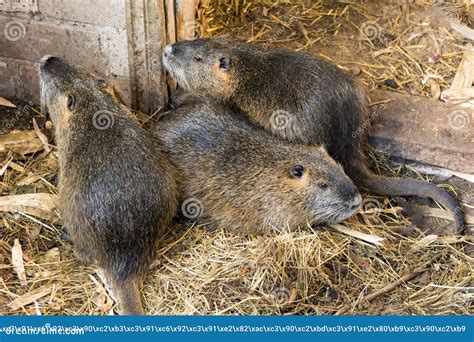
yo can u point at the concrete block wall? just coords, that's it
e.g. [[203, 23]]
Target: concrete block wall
[[120, 40]]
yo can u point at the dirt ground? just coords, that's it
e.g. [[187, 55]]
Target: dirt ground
[[415, 268]]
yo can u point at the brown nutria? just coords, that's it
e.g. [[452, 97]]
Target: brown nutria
[[296, 96], [235, 175], [117, 191]]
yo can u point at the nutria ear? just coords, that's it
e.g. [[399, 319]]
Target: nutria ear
[[71, 102], [224, 63], [297, 171], [101, 83]]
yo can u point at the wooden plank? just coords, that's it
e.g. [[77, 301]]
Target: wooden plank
[[171, 36], [186, 19], [169, 6], [20, 143], [462, 88], [40, 205], [146, 35], [423, 130], [465, 73]]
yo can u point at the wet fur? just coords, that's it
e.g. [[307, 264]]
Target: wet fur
[[116, 189], [326, 107], [240, 173]]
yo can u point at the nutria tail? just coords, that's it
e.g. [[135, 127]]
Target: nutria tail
[[396, 186], [128, 297]]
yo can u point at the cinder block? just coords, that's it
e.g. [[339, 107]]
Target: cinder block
[[44, 38], [97, 12], [19, 80], [27, 81], [7, 85], [119, 40], [101, 50]]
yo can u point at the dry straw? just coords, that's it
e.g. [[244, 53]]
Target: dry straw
[[328, 271]]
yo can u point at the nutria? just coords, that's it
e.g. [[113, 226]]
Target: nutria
[[116, 189], [295, 96], [235, 175]]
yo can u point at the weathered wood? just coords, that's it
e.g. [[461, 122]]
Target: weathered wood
[[462, 88], [39, 205], [170, 16], [424, 130], [20, 143], [146, 36], [186, 19]]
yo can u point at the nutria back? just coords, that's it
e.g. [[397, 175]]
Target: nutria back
[[295, 96], [235, 175], [116, 189]]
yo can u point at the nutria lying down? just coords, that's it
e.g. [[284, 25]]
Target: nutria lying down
[[296, 96], [235, 175], [117, 193]]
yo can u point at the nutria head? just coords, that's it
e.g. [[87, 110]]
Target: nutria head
[[67, 93], [248, 180], [315, 187], [201, 65]]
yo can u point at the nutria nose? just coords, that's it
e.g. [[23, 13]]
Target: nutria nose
[[48, 59], [354, 203], [168, 50]]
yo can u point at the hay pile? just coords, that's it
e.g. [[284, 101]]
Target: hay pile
[[406, 46], [323, 272]]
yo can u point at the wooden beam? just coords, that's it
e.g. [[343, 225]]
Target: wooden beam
[[146, 36], [186, 24], [423, 130], [462, 88]]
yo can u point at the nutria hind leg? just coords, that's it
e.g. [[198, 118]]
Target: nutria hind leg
[[84, 256], [394, 186], [128, 296], [65, 235]]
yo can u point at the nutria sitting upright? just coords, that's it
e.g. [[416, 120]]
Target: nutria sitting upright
[[295, 96], [235, 175], [116, 190]]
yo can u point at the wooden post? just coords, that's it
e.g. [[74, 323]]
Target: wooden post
[[180, 25], [146, 37], [187, 27]]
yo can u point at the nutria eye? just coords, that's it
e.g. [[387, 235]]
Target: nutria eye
[[101, 83], [71, 102], [224, 63], [297, 171], [198, 59], [323, 186]]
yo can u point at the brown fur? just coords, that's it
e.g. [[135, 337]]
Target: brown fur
[[239, 175], [116, 189], [323, 106]]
